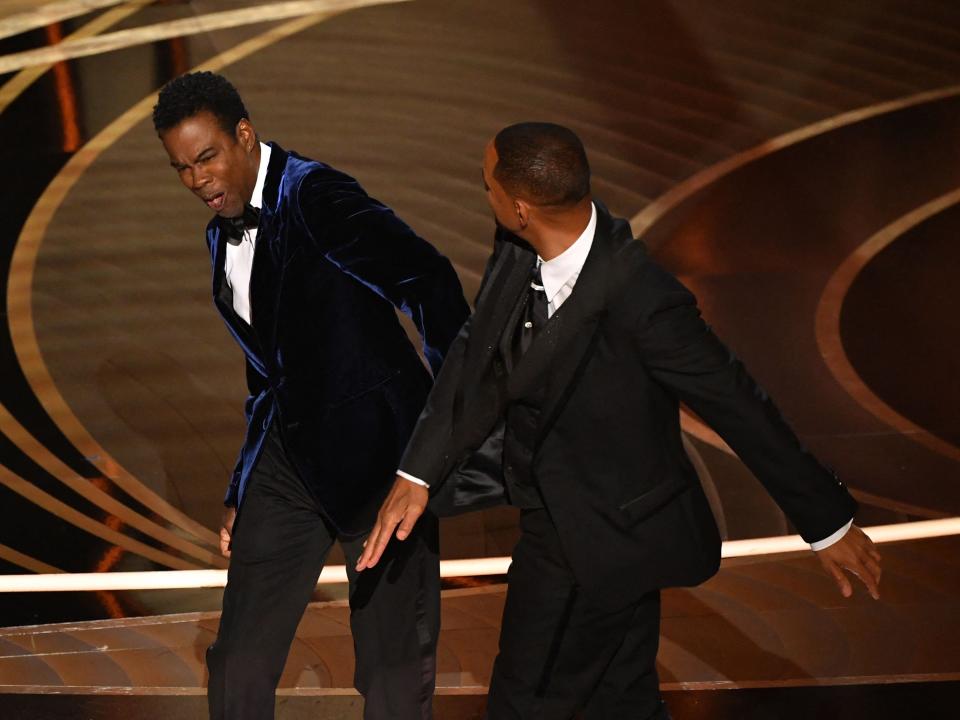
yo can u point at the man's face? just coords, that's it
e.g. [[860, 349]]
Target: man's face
[[218, 167], [503, 206]]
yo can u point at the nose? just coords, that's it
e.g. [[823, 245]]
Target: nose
[[198, 179]]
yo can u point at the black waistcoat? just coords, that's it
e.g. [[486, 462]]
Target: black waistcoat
[[520, 431]]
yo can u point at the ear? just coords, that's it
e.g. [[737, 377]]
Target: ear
[[246, 135], [522, 209]]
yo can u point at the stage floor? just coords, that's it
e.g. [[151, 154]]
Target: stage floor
[[760, 624]]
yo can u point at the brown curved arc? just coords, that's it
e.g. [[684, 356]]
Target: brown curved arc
[[68, 514], [51, 12], [695, 427], [9, 92], [20, 284], [26, 562], [9, 426], [13, 88], [645, 219], [18, 435], [828, 326], [178, 28], [659, 208]]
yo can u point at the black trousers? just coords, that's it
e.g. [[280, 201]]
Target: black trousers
[[561, 656], [279, 545]]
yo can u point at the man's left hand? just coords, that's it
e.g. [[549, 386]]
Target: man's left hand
[[855, 553], [404, 505]]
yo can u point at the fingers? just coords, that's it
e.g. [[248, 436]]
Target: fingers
[[364, 562], [225, 542], [410, 518], [867, 564], [842, 582], [873, 567], [867, 575], [229, 516], [377, 541]]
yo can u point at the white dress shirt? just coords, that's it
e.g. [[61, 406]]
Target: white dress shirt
[[239, 262], [559, 276]]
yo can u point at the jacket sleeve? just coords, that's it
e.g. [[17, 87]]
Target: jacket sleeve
[[682, 353], [366, 240], [428, 452], [255, 385]]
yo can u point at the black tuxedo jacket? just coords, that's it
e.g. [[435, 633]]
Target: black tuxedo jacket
[[327, 359], [612, 363]]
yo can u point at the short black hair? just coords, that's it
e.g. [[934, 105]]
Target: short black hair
[[193, 93], [543, 163]]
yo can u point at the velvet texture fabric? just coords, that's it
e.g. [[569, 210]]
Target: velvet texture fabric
[[608, 372], [327, 359]]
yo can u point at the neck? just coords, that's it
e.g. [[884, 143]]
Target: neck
[[557, 231]]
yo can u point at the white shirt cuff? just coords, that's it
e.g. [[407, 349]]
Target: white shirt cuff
[[411, 478], [828, 541]]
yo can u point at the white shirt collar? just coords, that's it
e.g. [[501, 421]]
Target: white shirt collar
[[257, 198], [557, 272]]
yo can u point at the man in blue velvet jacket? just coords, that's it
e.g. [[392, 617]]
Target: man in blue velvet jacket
[[307, 271]]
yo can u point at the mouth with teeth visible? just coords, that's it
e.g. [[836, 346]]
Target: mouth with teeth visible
[[215, 202]]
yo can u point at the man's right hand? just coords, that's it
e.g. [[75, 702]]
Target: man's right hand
[[405, 503], [226, 528]]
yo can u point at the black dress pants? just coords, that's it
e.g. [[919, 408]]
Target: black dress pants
[[279, 544], [561, 656]]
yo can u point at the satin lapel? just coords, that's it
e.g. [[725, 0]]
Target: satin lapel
[[491, 317], [266, 274], [558, 351]]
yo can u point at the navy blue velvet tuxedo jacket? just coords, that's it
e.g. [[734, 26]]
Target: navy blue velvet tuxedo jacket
[[327, 359], [607, 374]]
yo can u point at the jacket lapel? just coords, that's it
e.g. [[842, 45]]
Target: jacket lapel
[[556, 355], [507, 283]]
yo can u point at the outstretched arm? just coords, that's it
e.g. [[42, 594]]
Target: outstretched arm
[[682, 353]]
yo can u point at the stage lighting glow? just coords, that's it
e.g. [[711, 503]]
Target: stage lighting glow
[[477, 567]]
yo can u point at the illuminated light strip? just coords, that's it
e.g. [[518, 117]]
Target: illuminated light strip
[[180, 579], [828, 325], [23, 263], [178, 28], [50, 13]]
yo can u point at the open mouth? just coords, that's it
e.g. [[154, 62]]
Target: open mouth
[[215, 202]]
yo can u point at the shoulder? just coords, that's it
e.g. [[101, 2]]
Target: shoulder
[[311, 180], [644, 287]]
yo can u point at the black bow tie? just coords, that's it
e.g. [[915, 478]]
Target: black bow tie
[[236, 226]]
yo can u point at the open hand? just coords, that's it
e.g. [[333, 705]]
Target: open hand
[[855, 553], [403, 506]]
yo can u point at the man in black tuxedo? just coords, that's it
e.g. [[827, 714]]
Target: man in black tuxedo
[[562, 393], [307, 271]]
